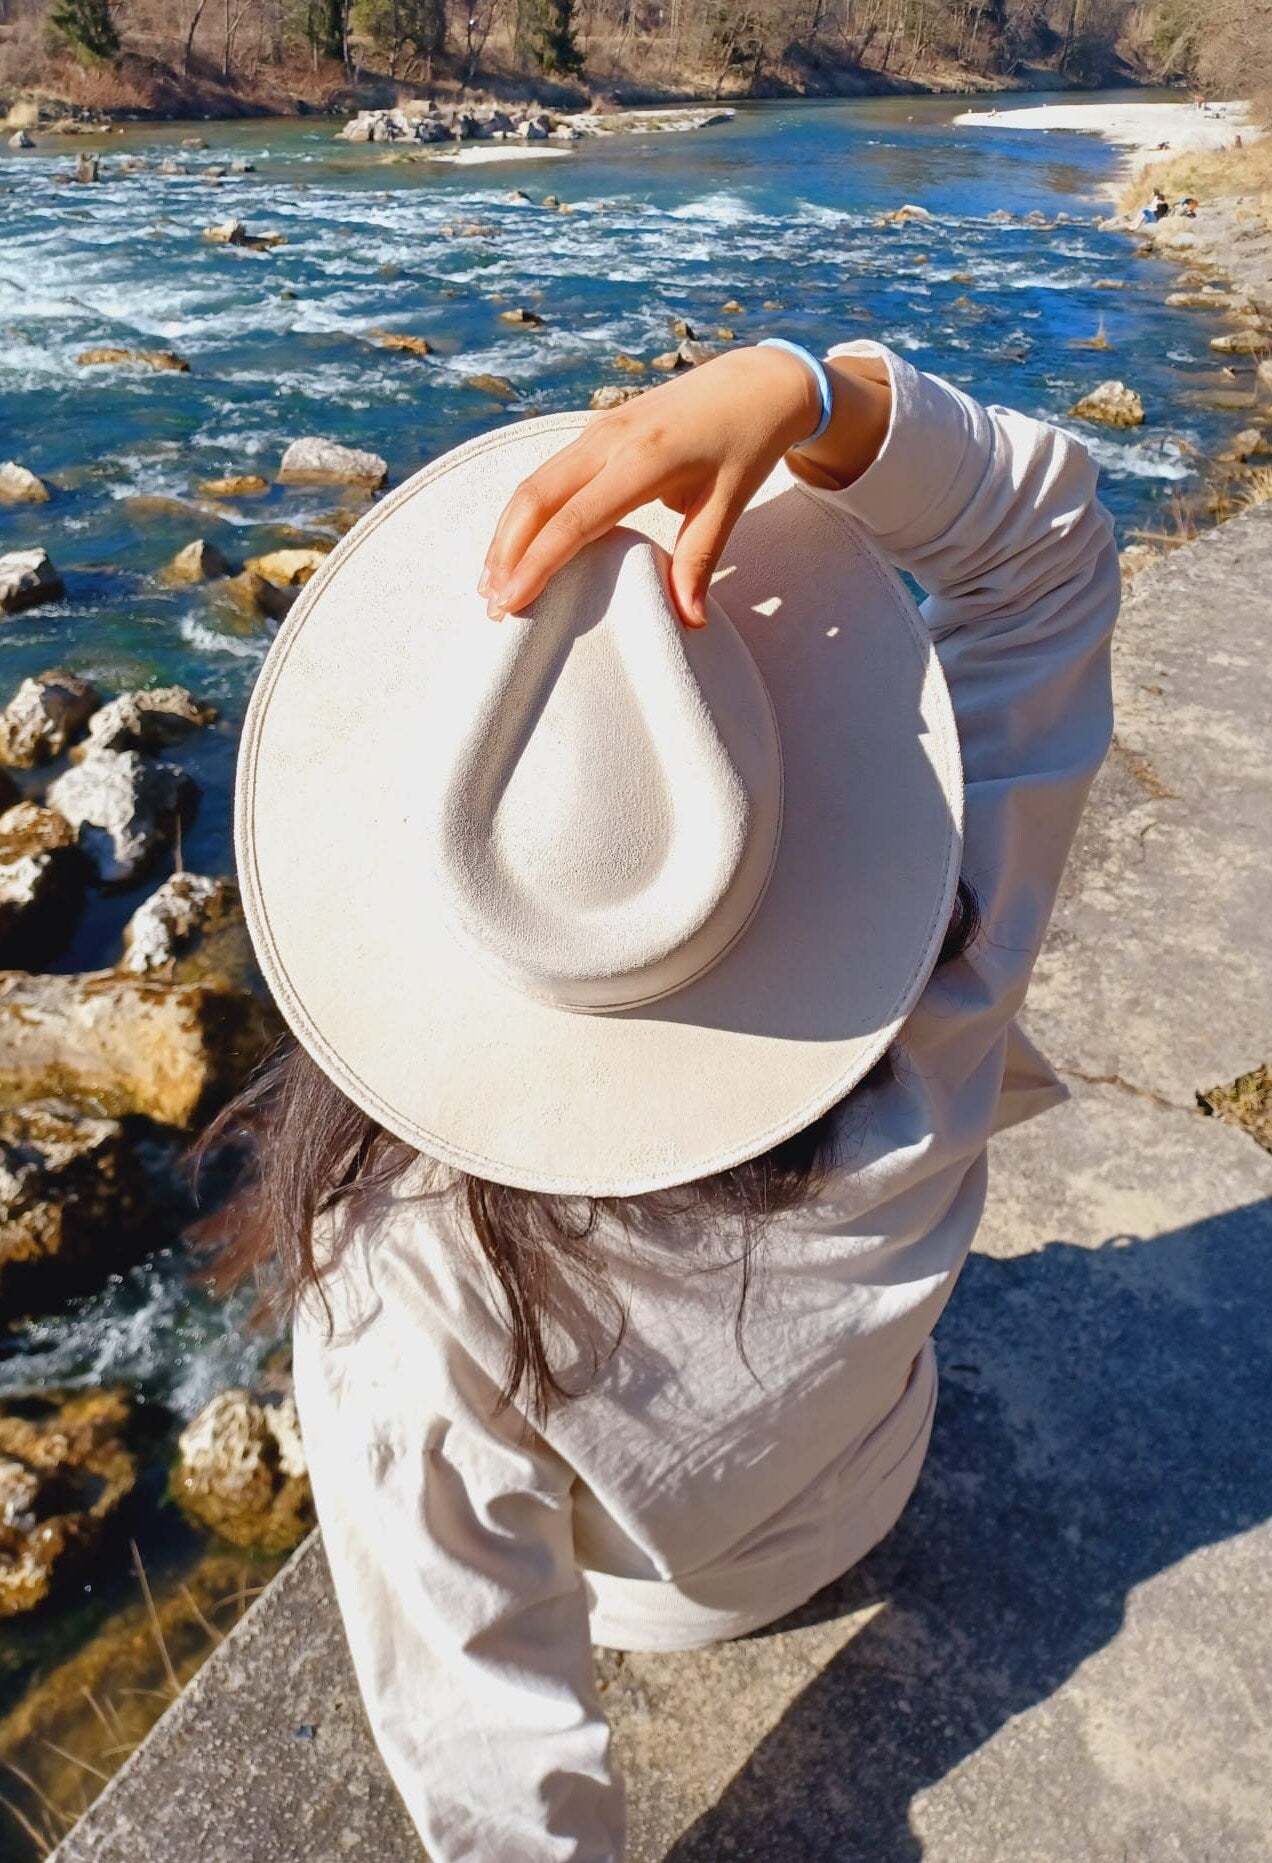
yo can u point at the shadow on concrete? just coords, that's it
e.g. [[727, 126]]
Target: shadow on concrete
[[1104, 1413]]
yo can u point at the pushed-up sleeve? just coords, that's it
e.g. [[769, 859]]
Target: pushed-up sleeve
[[995, 516], [449, 1537]]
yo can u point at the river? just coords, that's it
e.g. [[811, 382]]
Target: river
[[782, 204]]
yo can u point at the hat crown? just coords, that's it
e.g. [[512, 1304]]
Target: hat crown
[[612, 808]]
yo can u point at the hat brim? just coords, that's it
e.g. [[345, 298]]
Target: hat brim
[[432, 1044]]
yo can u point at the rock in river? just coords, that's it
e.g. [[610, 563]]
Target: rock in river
[[72, 1204], [148, 719], [149, 358], [313, 461], [287, 569], [179, 916], [498, 387], [199, 561], [612, 396], [62, 1474], [1111, 402], [235, 485], [402, 341], [18, 486], [124, 808], [42, 879], [125, 1044], [27, 578], [44, 715], [241, 1471]]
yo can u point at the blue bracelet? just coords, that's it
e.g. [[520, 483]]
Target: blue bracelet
[[810, 361]]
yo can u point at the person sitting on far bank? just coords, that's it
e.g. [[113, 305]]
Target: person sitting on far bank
[[1157, 207], [687, 880]]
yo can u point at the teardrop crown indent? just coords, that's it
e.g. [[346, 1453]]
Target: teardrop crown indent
[[613, 811]]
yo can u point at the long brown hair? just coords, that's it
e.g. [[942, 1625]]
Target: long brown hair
[[295, 1149]]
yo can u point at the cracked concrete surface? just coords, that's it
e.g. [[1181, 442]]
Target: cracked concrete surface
[[1063, 1651]]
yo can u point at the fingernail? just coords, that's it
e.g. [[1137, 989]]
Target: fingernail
[[497, 607], [695, 620], [483, 583]]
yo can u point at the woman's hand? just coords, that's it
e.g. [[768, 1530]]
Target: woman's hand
[[703, 443]]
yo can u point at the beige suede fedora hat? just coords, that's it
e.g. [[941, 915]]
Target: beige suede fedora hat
[[587, 901]]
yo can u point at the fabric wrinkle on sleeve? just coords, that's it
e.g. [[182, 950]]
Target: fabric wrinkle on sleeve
[[449, 1537]]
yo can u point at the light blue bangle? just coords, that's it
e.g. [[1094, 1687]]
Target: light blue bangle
[[810, 361]]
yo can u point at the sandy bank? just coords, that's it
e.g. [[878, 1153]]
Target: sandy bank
[[492, 152], [1138, 126]]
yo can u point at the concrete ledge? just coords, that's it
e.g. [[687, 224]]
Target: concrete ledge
[[1063, 1650]]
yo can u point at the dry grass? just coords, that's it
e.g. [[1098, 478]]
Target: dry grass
[[1256, 487], [1207, 173], [1246, 1102], [158, 1648]]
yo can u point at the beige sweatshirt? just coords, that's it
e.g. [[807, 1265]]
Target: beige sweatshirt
[[686, 1497]]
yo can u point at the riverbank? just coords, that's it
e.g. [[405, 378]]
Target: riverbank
[[1133, 126], [1219, 160], [1055, 1652]]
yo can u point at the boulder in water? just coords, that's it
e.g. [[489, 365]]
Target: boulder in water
[[87, 168], [314, 461], [288, 569], [18, 486], [235, 485], [1242, 343], [42, 880], [241, 1471], [148, 719], [199, 561], [670, 360], [253, 594], [631, 365], [72, 1201], [1111, 402], [63, 1472], [400, 340], [1246, 444], [20, 140], [610, 395], [44, 715], [125, 810], [110, 355], [227, 233], [187, 913], [902, 216], [695, 353], [121, 1044], [27, 578], [498, 387], [531, 319]]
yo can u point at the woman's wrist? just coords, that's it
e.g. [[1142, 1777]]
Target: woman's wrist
[[791, 390], [861, 413]]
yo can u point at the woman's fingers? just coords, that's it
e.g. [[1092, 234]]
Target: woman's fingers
[[703, 536], [579, 521], [535, 501]]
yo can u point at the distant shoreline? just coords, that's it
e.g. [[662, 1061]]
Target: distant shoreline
[[1138, 127], [46, 112]]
